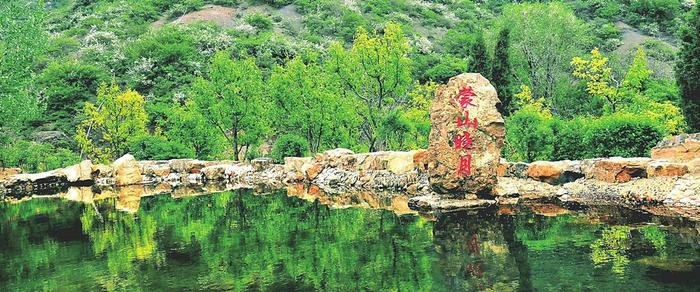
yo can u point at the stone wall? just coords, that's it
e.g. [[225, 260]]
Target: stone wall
[[632, 181]]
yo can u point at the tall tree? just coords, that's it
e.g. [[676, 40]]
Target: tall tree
[[501, 71], [480, 58], [376, 72], [232, 100], [545, 37], [688, 69]]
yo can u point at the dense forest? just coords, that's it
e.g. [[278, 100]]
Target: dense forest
[[238, 79]]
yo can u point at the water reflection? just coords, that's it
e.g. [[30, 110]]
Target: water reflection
[[302, 239]]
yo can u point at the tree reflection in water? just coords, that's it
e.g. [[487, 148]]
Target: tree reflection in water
[[303, 239]]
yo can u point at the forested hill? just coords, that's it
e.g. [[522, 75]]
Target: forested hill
[[240, 79]]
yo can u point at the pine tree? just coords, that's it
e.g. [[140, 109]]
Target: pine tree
[[688, 69], [501, 71], [480, 58]]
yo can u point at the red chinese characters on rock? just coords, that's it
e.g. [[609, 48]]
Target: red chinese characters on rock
[[463, 140]]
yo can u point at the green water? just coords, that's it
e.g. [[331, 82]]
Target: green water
[[242, 241]]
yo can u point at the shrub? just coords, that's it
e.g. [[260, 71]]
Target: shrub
[[621, 134], [568, 142], [259, 21], [289, 146], [153, 147], [529, 136], [36, 157]]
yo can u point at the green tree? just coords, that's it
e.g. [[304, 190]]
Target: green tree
[[545, 37], [307, 102], [529, 136], [116, 117], [501, 71], [232, 99], [688, 68], [376, 72], [186, 125], [481, 61]]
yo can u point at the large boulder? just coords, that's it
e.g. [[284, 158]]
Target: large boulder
[[616, 169], [79, 172], [464, 154], [681, 148], [127, 171]]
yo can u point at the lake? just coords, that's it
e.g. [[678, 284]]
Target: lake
[[246, 241]]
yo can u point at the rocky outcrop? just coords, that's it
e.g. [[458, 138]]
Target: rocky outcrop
[[466, 137], [681, 148], [78, 173], [126, 171]]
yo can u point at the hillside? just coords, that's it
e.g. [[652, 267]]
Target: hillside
[[167, 52]]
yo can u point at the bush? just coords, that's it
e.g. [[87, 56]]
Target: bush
[[623, 135], [289, 146], [36, 157], [152, 147], [259, 21], [529, 136], [568, 142]]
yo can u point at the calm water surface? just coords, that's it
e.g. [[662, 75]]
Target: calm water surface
[[238, 240]]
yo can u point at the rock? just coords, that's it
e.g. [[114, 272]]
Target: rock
[[517, 170], [420, 160], [294, 167], [215, 172], [679, 148], [556, 172], [660, 168], [618, 169], [262, 163], [101, 171], [8, 172], [313, 171], [400, 162], [485, 152], [503, 167], [544, 171], [525, 188], [79, 172], [435, 203], [328, 154], [185, 166], [52, 137], [127, 171], [694, 166]]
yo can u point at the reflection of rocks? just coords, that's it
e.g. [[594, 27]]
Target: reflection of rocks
[[375, 200], [129, 198], [435, 203]]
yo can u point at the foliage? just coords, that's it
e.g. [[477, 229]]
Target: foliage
[[688, 68], [259, 21], [306, 102], [154, 147], [598, 78], [623, 135], [65, 87], [22, 45], [545, 37], [289, 146], [376, 73], [36, 157], [529, 136], [232, 100], [501, 71], [186, 125], [117, 116]]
